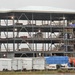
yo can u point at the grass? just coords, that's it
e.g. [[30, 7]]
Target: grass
[[27, 72], [36, 72]]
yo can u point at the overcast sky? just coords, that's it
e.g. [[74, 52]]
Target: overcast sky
[[67, 4]]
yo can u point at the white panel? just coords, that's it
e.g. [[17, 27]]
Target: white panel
[[51, 66], [19, 64], [14, 64], [27, 64], [1, 68], [38, 63]]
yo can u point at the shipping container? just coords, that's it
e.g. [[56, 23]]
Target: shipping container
[[38, 63], [5, 64]]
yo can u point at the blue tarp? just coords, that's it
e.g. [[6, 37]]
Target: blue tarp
[[69, 64], [72, 25], [56, 59]]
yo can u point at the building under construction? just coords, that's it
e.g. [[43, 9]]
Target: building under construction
[[49, 33]]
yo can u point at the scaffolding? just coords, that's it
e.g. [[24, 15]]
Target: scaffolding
[[47, 34]]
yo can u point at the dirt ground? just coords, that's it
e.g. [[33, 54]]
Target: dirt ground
[[38, 73]]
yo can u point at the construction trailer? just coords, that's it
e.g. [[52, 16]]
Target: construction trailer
[[22, 64]]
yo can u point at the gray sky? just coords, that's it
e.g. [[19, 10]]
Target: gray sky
[[67, 4]]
